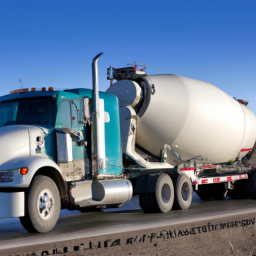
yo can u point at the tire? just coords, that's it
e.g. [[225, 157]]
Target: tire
[[42, 206], [216, 191], [148, 202], [162, 199], [183, 192]]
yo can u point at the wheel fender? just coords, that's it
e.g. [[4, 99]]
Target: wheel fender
[[33, 163]]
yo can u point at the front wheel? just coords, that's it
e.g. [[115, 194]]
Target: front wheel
[[42, 206]]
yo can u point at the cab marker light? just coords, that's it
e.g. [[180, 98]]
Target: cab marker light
[[15, 91], [23, 170]]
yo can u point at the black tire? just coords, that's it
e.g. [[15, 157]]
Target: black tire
[[42, 206], [162, 199], [148, 202], [183, 192], [216, 191]]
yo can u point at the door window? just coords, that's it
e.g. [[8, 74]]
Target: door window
[[64, 114], [77, 114]]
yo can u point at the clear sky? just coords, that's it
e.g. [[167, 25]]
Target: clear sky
[[52, 42]]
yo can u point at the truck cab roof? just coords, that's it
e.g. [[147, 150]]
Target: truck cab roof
[[69, 93]]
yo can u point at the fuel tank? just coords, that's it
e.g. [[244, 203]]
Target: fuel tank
[[197, 119]]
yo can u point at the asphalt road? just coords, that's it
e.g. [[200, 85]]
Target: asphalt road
[[73, 224]]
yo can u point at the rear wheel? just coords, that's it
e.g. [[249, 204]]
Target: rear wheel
[[162, 199], [183, 192], [42, 206]]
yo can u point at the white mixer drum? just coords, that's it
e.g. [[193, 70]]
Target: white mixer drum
[[196, 119]]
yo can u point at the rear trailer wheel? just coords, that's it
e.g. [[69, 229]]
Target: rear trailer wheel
[[42, 206], [162, 199], [183, 192]]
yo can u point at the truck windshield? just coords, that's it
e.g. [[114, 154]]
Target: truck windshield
[[28, 111]]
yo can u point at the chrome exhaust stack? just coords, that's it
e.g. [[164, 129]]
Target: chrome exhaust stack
[[95, 119], [104, 192]]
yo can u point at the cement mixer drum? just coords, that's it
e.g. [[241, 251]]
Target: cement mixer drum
[[197, 119]]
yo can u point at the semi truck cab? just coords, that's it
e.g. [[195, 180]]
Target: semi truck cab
[[49, 134]]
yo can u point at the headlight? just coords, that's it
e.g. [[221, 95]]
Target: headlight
[[6, 176]]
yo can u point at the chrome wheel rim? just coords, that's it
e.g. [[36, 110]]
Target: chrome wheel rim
[[45, 204], [185, 193]]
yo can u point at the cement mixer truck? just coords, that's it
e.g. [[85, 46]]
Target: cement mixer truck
[[157, 136]]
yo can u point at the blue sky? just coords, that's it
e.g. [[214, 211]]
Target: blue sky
[[52, 42]]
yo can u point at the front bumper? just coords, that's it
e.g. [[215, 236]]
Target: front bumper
[[12, 205]]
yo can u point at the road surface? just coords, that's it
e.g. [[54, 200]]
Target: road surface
[[73, 224]]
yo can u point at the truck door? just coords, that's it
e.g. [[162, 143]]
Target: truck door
[[71, 140], [78, 135]]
